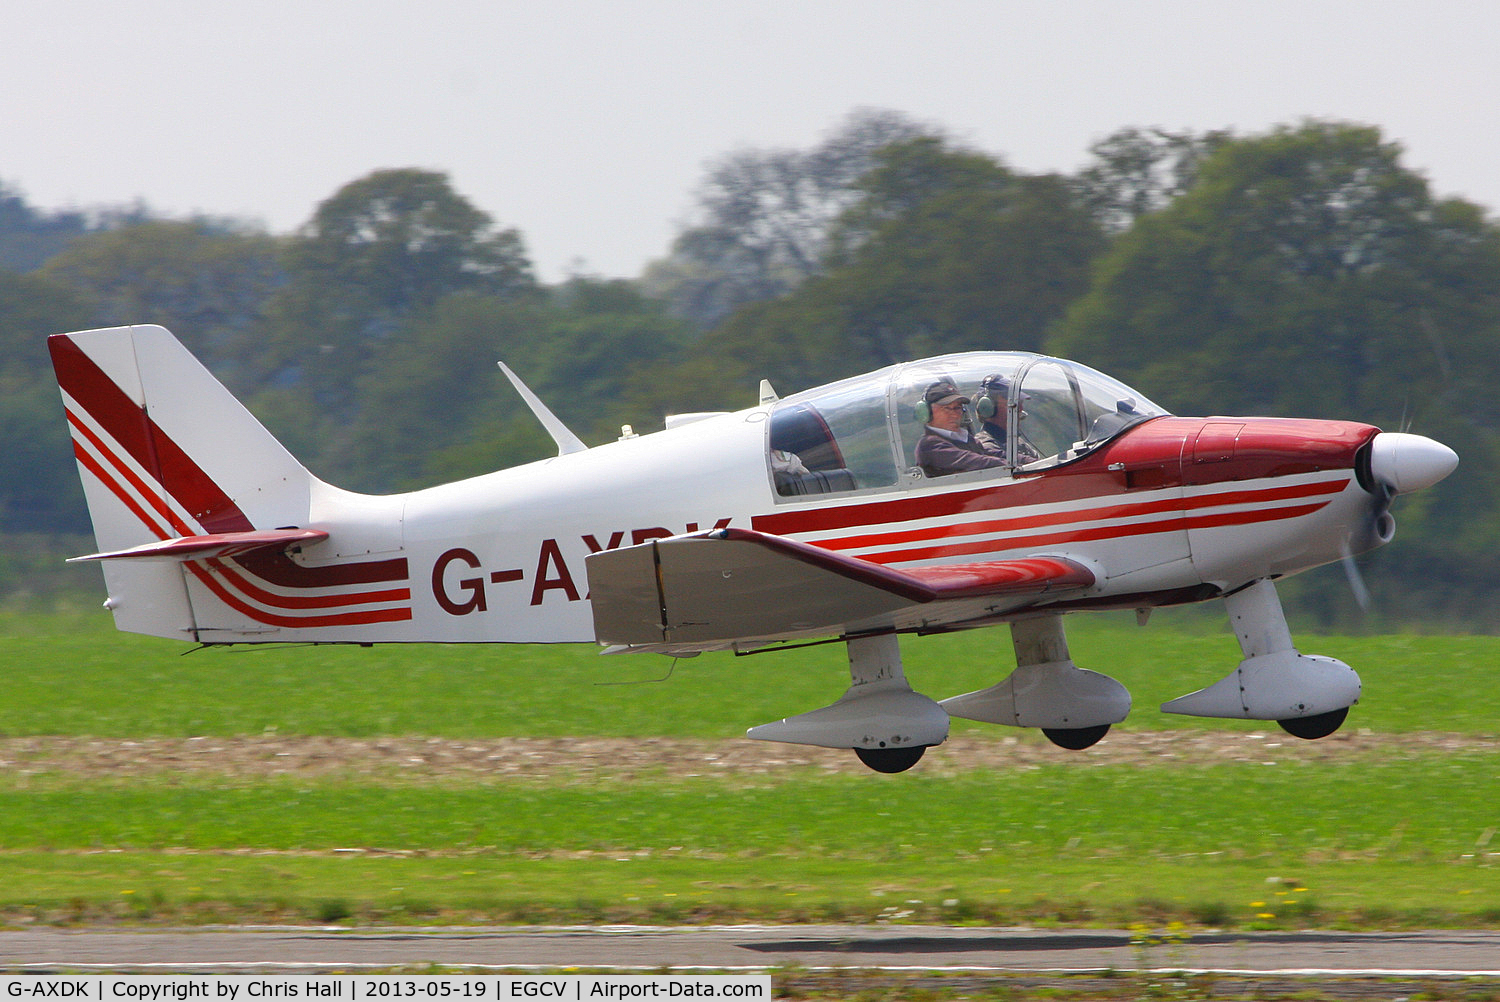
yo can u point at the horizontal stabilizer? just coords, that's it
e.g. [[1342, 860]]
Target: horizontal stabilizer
[[738, 584], [214, 544]]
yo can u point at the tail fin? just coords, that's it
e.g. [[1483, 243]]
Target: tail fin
[[168, 457]]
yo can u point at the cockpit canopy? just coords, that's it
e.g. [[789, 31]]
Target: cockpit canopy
[[862, 433]]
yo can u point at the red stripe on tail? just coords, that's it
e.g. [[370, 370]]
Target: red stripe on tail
[[131, 426]]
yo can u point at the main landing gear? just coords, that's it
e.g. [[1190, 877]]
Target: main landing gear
[[888, 726], [1074, 707]]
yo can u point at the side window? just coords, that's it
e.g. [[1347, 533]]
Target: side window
[[834, 442], [805, 456]]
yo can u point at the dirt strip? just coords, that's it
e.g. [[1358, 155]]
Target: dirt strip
[[263, 756]]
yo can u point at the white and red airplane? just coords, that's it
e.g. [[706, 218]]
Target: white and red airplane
[[800, 518]]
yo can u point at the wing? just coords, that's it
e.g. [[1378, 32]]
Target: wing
[[217, 544], [712, 588]]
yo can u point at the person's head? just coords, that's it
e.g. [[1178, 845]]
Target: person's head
[[994, 394], [944, 405]]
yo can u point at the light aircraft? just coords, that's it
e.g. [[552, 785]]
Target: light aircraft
[[801, 519]]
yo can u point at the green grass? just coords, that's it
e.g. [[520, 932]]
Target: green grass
[[1424, 807], [1369, 841], [1395, 842], [76, 675]]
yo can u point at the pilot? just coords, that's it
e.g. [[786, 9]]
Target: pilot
[[994, 394], [946, 445]]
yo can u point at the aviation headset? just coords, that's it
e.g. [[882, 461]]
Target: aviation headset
[[994, 393]]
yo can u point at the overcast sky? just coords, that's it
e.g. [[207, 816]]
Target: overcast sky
[[588, 125]]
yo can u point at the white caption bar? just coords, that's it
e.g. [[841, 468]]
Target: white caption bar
[[366, 988]]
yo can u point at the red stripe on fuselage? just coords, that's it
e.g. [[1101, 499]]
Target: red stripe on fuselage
[[1164, 506], [251, 590], [889, 511], [275, 567], [997, 546], [203, 574]]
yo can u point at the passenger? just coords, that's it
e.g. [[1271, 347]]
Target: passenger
[[946, 446], [994, 396]]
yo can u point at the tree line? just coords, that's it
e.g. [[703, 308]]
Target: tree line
[[1303, 271]]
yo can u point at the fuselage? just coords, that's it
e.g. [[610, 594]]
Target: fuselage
[[1170, 510]]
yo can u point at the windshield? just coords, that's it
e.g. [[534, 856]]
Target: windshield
[[1064, 410], [945, 417]]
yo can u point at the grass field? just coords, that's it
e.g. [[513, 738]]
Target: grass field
[[1392, 835], [77, 675]]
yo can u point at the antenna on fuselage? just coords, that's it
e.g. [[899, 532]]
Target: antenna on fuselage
[[566, 441]]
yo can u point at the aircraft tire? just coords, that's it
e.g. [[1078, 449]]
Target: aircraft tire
[[1075, 738], [1319, 725], [890, 760]]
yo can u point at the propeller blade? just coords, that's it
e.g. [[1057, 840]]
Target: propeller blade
[[1356, 582]]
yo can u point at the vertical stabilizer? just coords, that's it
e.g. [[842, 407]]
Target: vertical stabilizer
[[165, 452]]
